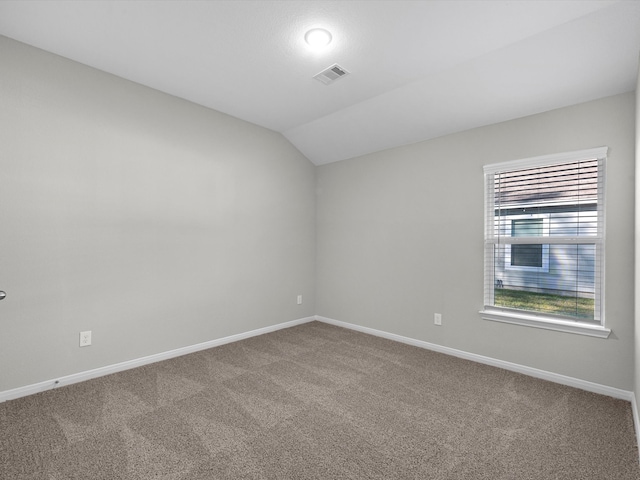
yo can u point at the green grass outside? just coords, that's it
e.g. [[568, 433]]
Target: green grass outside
[[545, 303]]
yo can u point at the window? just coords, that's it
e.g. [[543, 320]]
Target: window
[[544, 242]]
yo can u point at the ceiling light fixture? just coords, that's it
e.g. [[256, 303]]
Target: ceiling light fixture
[[318, 37]]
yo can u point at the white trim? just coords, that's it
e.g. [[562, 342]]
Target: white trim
[[514, 367], [138, 362], [548, 323], [533, 372], [543, 160]]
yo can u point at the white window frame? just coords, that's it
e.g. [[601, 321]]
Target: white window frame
[[534, 319]]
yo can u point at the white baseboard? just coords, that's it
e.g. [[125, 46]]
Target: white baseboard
[[514, 367], [138, 362]]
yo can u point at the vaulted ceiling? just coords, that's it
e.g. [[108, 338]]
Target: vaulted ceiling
[[417, 69]]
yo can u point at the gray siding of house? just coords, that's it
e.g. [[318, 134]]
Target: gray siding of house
[[568, 268]]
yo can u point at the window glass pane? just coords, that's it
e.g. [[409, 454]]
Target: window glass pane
[[526, 256], [526, 227], [567, 289]]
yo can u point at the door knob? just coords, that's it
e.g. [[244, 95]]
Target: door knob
[[2, 295]]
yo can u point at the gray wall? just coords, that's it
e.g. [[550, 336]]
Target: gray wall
[[400, 236], [158, 224], [149, 220]]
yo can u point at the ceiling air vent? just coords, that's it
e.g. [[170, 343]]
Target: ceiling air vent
[[331, 74]]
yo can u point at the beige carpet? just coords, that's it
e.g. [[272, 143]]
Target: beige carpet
[[317, 402]]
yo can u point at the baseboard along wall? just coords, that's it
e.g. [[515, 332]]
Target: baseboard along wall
[[533, 372], [514, 367], [139, 362]]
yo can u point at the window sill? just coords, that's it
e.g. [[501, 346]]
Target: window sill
[[546, 323]]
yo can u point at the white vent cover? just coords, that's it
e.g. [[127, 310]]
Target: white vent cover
[[331, 74]]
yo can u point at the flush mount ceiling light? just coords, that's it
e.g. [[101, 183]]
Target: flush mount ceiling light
[[318, 37]]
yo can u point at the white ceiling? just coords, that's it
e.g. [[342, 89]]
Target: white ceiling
[[419, 69]]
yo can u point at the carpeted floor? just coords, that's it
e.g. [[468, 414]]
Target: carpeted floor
[[317, 402]]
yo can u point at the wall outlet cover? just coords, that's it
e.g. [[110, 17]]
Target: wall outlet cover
[[85, 338]]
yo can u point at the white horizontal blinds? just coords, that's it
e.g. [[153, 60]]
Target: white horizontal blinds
[[489, 235], [544, 236], [568, 183], [566, 195]]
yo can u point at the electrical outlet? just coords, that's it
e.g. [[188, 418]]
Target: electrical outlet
[[437, 318], [85, 338], [299, 299]]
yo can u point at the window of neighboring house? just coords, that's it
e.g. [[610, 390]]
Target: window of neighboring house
[[527, 257], [544, 242]]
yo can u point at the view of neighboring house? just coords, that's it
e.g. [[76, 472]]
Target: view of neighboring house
[[556, 209]]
